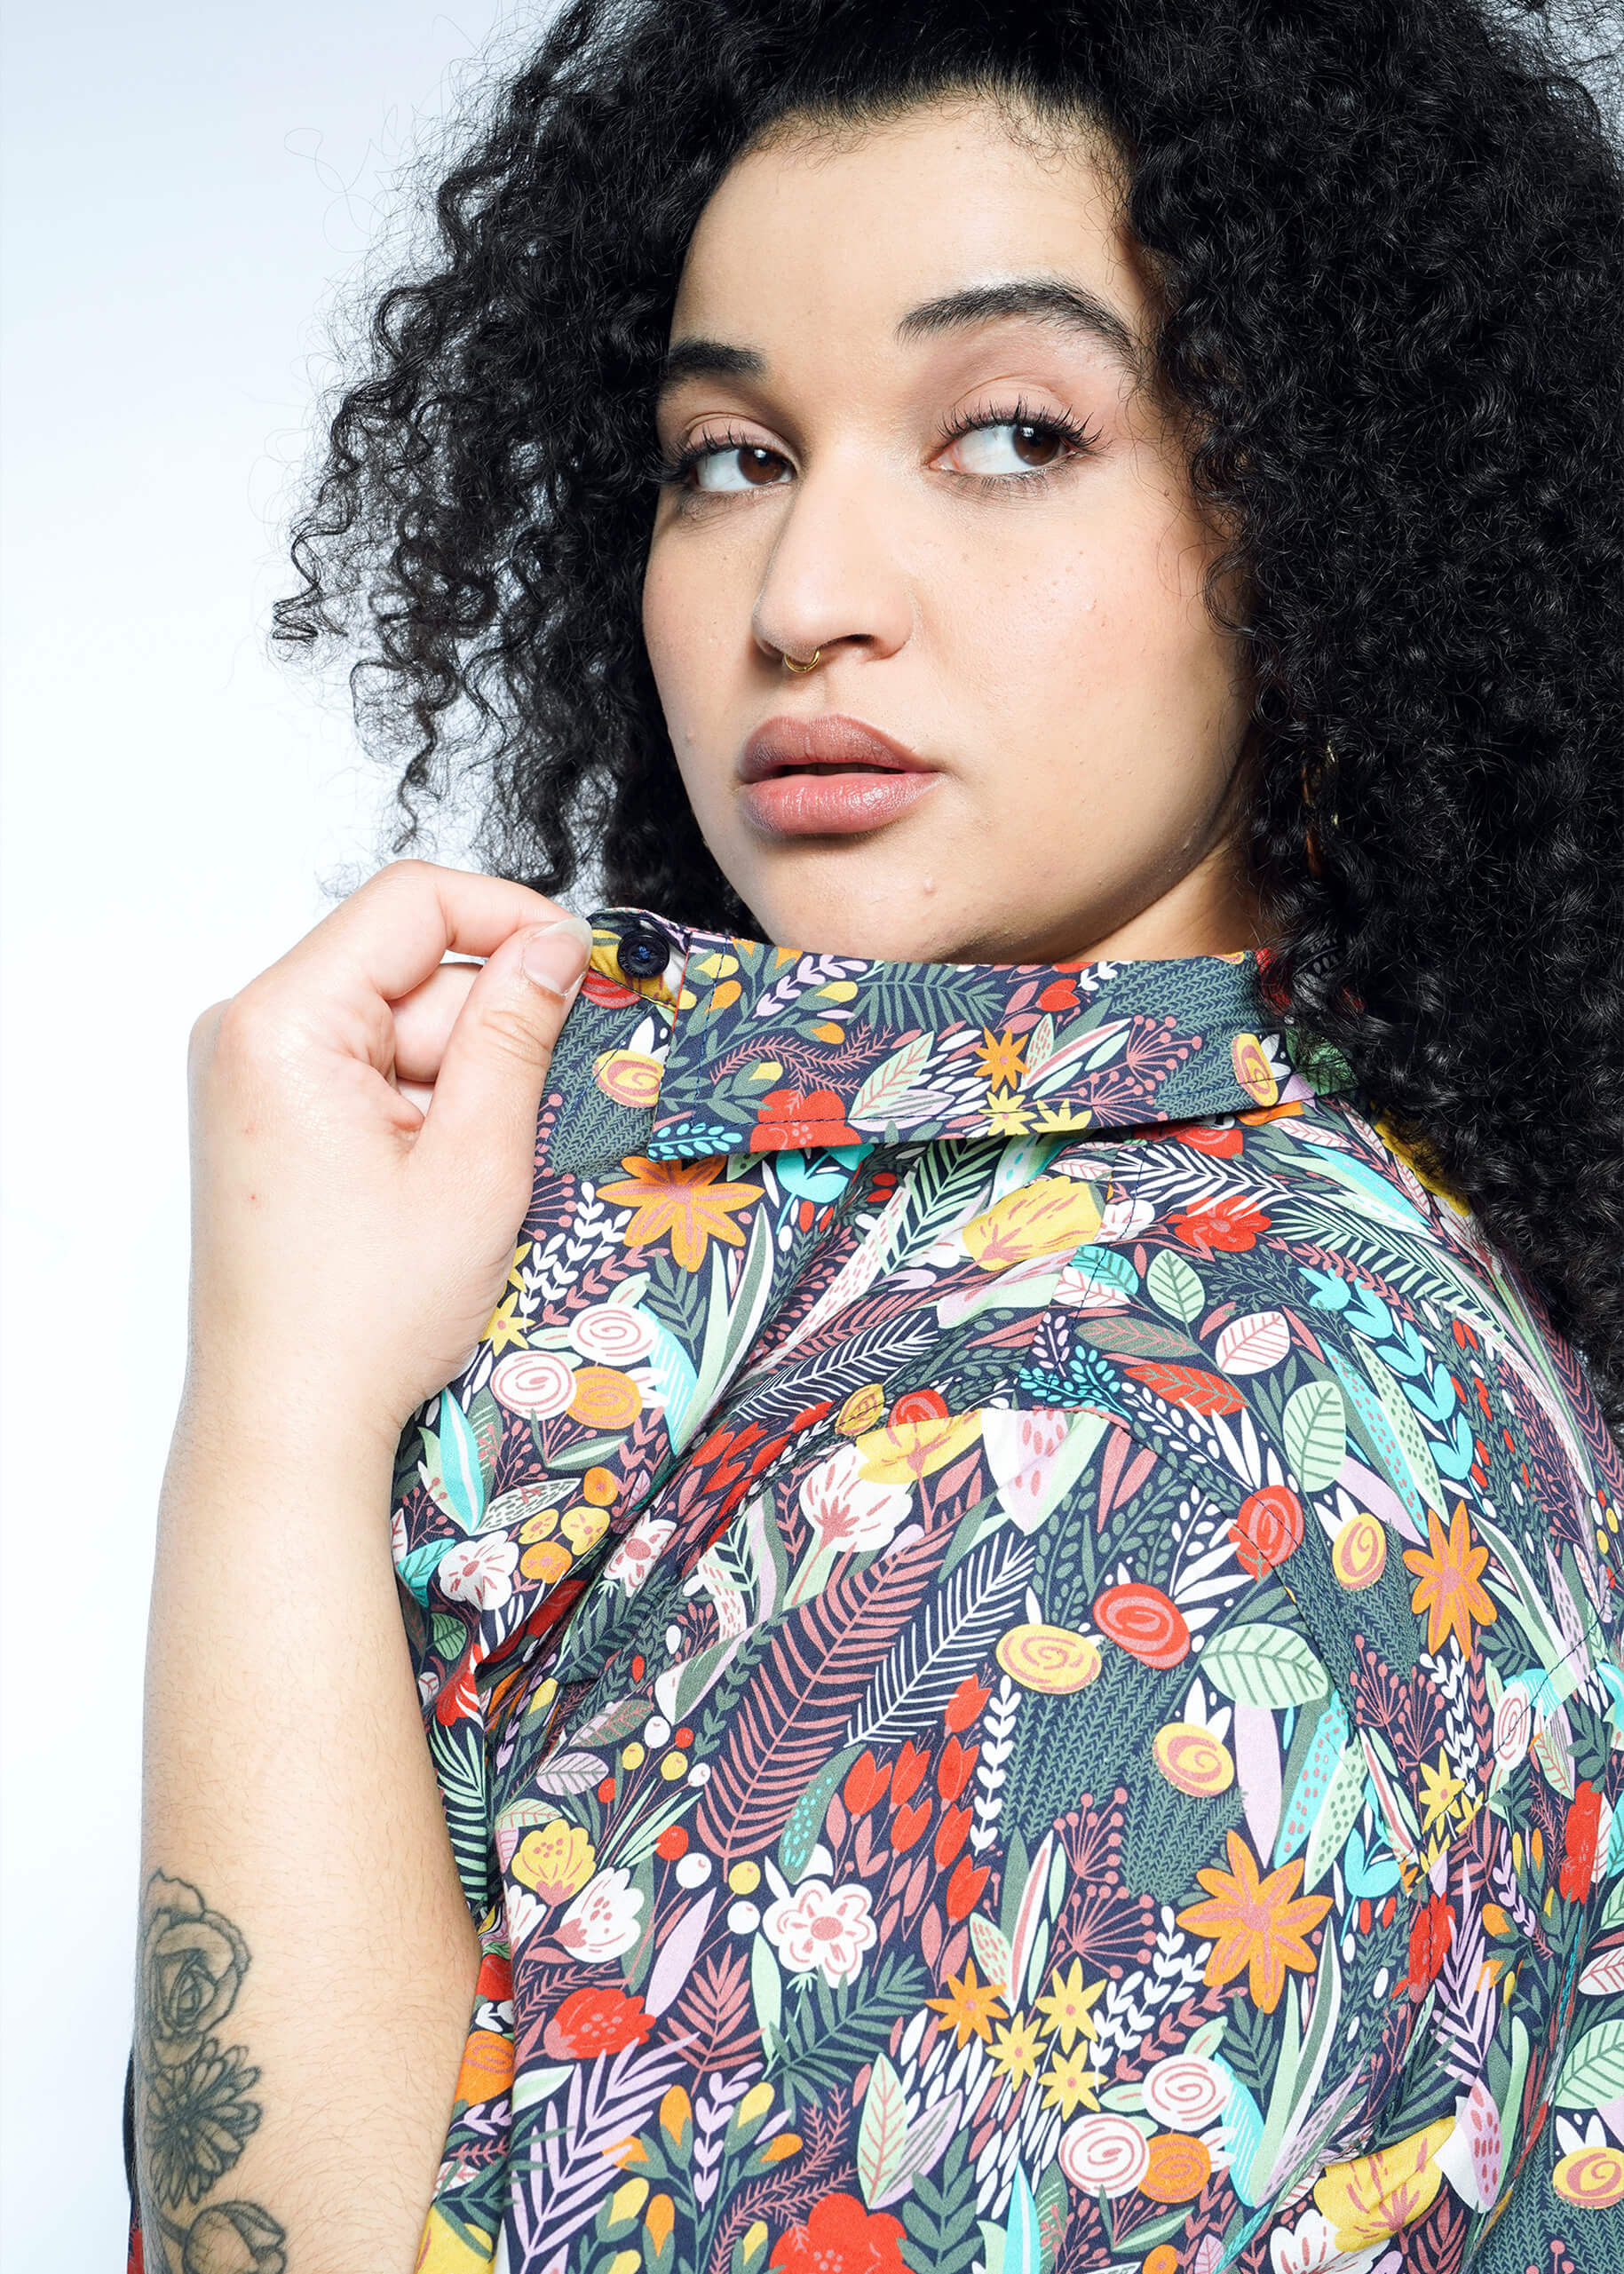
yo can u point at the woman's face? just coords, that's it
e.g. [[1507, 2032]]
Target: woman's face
[[903, 371]]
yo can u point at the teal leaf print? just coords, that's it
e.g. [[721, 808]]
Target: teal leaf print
[[1315, 1427], [1264, 1666], [1022, 2249]]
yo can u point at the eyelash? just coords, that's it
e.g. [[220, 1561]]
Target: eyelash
[[673, 473]]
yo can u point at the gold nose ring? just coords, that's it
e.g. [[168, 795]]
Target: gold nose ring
[[791, 665]]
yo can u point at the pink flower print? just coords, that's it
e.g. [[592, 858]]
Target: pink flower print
[[1472, 2158], [848, 1511], [821, 1928], [1021, 1448]]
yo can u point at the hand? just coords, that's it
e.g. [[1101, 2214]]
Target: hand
[[363, 1127]]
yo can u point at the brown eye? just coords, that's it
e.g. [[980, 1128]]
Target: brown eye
[[1011, 447], [736, 465]]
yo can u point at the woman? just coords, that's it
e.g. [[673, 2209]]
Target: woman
[[995, 1426]]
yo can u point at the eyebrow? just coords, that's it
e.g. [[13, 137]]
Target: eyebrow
[[1042, 299], [1045, 300]]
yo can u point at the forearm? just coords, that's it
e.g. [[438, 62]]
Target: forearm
[[286, 1782]]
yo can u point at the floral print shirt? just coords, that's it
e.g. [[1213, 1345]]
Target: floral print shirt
[[1019, 1624]]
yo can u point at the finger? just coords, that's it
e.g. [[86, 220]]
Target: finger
[[424, 1020], [391, 933], [489, 1085]]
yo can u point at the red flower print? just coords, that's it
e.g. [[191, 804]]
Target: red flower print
[[672, 1843], [964, 1889], [1579, 1841], [1430, 1940], [907, 1824], [786, 1121], [1232, 1225], [866, 1784], [596, 2021], [953, 1770], [1268, 1528], [840, 2237], [1145, 1623], [1059, 994], [965, 1707], [919, 1406], [608, 994], [950, 1835], [1201, 1136], [495, 1977], [911, 1762]]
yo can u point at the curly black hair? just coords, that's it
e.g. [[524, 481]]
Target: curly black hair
[[1386, 241]]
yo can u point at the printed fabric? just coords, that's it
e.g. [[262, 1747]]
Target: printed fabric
[[1019, 1624]]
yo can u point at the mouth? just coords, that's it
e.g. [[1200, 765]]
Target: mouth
[[828, 776], [829, 744]]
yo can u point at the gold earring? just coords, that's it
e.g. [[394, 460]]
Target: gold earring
[[790, 665]]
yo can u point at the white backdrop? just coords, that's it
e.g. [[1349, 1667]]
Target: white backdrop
[[187, 180]]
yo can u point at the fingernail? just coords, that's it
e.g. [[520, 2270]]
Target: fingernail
[[556, 956]]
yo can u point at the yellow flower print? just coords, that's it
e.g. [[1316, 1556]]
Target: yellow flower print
[[904, 1452], [1449, 1590], [1255, 1923], [1003, 1062], [582, 1525], [1059, 1120], [684, 1199], [970, 2007], [1017, 2050], [1068, 2005], [554, 1862], [1050, 1216], [1376, 2197], [1006, 1114], [505, 1327], [1068, 2085], [1440, 1789]]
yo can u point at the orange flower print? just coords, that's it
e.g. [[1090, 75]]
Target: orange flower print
[[1003, 1062], [1448, 1589], [1255, 1923], [683, 1199], [1232, 1225]]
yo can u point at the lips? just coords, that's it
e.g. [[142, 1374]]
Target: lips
[[828, 776]]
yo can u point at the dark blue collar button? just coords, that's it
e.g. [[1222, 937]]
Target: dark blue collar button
[[644, 951]]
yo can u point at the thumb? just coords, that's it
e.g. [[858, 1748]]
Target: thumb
[[481, 1123]]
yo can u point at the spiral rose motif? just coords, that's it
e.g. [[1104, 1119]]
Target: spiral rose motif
[[1252, 1071], [537, 1383], [1358, 1553], [1184, 2092], [630, 1077], [1193, 1761], [613, 1333], [1143, 1621], [1591, 2177], [1051, 1658], [1104, 2155], [604, 1399], [1513, 1727]]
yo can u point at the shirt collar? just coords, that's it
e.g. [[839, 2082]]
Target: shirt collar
[[775, 1048]]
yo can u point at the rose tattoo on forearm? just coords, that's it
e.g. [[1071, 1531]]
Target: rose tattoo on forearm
[[195, 2115]]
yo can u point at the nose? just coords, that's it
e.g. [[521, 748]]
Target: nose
[[834, 579]]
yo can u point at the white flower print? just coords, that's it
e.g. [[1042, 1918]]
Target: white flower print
[[845, 1510], [639, 1552], [605, 1919], [822, 1928], [479, 1571]]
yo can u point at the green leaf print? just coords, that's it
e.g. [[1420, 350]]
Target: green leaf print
[[1315, 1427], [943, 2236], [1264, 1666], [1593, 2071], [1174, 1286]]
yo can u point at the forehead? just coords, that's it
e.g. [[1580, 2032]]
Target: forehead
[[855, 227]]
